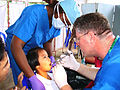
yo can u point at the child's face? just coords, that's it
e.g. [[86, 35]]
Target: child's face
[[44, 60]]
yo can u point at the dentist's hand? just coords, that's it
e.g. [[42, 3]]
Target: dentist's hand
[[60, 75], [70, 61]]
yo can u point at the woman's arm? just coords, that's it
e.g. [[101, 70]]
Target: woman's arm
[[48, 47], [19, 56]]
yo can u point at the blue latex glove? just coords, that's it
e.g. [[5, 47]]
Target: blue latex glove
[[52, 60], [36, 83]]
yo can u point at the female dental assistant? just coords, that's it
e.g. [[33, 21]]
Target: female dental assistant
[[35, 28]]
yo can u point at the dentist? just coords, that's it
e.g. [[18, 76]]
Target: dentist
[[95, 38]]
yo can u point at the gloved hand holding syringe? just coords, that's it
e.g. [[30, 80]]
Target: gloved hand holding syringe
[[68, 60], [59, 60]]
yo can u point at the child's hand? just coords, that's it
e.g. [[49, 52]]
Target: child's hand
[[19, 85], [16, 88], [20, 78], [24, 88]]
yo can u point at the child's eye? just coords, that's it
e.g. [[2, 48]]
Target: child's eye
[[45, 56]]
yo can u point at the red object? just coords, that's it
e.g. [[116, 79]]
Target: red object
[[98, 63], [8, 14], [90, 85]]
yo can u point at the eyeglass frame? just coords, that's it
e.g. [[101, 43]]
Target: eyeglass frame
[[76, 39]]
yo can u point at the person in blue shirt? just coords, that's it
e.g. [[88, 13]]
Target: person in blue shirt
[[37, 26], [95, 38]]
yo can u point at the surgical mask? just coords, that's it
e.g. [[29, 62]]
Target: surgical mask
[[57, 22]]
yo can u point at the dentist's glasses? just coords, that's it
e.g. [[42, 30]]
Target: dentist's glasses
[[77, 39]]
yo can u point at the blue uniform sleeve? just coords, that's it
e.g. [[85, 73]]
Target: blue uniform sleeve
[[109, 77], [104, 86], [25, 25]]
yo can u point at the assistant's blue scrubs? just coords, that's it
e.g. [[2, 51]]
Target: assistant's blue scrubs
[[31, 27], [108, 77]]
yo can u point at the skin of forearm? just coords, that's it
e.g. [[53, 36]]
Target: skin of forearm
[[87, 71], [48, 47], [21, 60], [66, 87], [20, 57]]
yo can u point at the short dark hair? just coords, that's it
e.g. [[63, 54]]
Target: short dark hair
[[2, 49], [32, 57], [94, 21], [53, 3]]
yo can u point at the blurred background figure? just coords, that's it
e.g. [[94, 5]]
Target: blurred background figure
[[5, 67], [4, 64]]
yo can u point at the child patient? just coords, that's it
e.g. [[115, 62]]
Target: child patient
[[40, 62]]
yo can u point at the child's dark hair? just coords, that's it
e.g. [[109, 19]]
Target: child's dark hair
[[32, 57], [2, 49]]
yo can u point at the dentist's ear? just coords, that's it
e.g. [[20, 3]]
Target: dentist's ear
[[92, 37]]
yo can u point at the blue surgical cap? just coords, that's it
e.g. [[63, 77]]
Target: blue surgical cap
[[71, 9]]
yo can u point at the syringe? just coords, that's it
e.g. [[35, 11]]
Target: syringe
[[60, 58]]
